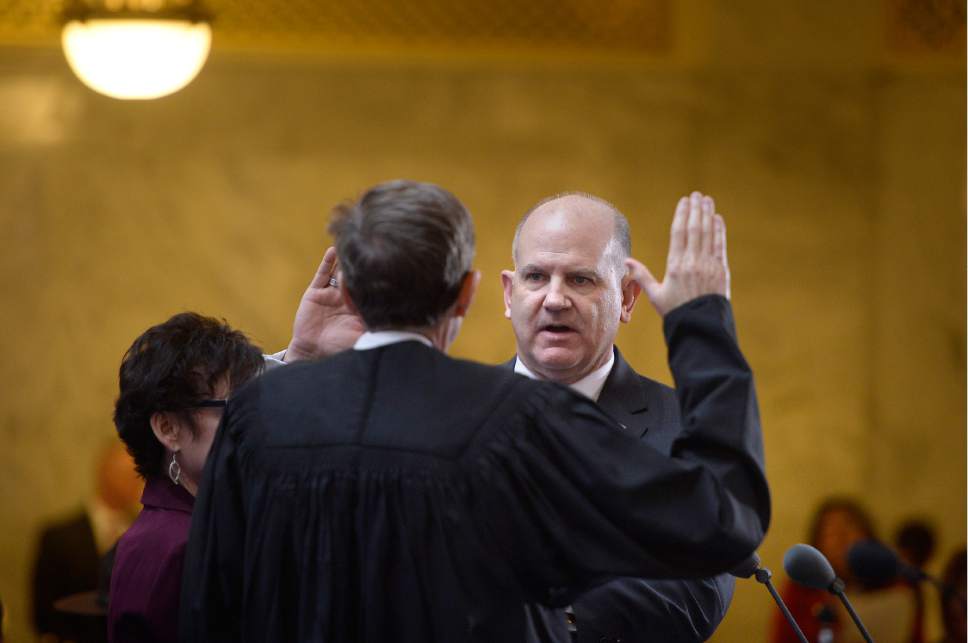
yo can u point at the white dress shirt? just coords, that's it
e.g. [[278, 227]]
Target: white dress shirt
[[366, 341], [590, 386], [378, 338]]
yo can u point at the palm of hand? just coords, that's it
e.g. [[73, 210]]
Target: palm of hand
[[323, 325]]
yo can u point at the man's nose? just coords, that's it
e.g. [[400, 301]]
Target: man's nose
[[556, 298]]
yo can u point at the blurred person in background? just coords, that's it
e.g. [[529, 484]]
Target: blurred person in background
[[886, 606], [174, 382], [69, 550], [915, 542], [837, 524]]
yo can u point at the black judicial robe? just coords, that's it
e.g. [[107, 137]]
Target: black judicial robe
[[397, 494]]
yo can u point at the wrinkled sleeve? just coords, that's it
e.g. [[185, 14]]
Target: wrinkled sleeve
[[639, 610], [212, 582], [571, 500]]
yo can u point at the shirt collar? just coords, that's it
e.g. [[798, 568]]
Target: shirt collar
[[590, 386], [162, 492], [376, 339]]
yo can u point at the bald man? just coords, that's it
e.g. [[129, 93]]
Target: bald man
[[566, 297]]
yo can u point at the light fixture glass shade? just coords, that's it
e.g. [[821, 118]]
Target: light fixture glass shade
[[136, 58]]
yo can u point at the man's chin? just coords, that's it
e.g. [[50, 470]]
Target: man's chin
[[556, 359]]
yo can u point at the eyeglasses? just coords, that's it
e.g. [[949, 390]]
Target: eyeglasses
[[206, 404]]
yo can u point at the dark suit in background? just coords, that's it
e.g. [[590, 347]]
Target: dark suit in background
[[66, 563]]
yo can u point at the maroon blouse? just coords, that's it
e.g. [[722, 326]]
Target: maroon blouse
[[146, 580]]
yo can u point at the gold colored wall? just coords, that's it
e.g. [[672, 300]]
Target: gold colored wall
[[839, 165]]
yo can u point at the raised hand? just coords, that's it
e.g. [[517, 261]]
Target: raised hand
[[324, 325], [697, 263]]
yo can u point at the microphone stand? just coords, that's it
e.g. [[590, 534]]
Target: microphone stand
[[837, 589], [762, 576]]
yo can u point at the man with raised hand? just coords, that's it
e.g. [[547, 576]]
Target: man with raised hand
[[568, 293]]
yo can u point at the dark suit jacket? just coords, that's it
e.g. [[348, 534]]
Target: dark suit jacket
[[399, 494], [635, 610]]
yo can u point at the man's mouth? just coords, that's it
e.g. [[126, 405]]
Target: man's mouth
[[557, 329]]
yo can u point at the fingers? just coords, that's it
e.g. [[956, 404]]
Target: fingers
[[719, 239], [708, 226], [725, 254], [721, 256], [694, 226], [677, 235], [327, 269], [640, 274]]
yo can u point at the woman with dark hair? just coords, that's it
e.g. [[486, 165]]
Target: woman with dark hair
[[174, 381], [837, 524]]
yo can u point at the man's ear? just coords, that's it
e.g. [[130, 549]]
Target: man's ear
[[468, 289], [507, 281], [167, 429], [630, 294]]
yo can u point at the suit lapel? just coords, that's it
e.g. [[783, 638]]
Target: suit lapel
[[626, 397]]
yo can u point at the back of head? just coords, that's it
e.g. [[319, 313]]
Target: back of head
[[171, 367], [404, 248], [915, 540]]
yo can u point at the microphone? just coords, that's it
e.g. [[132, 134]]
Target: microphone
[[807, 566], [877, 565], [751, 567]]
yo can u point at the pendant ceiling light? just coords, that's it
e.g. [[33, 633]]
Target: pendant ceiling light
[[136, 49]]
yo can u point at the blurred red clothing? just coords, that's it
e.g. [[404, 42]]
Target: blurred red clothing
[[805, 605]]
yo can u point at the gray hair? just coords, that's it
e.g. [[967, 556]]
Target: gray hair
[[404, 249]]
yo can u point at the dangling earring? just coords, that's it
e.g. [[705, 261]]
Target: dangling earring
[[174, 469]]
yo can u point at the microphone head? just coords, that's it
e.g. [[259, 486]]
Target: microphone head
[[748, 567], [873, 563], [807, 566]]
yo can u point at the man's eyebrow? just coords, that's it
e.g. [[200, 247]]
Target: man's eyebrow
[[581, 271], [585, 272]]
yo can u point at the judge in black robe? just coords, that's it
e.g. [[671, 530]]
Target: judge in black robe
[[392, 493]]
